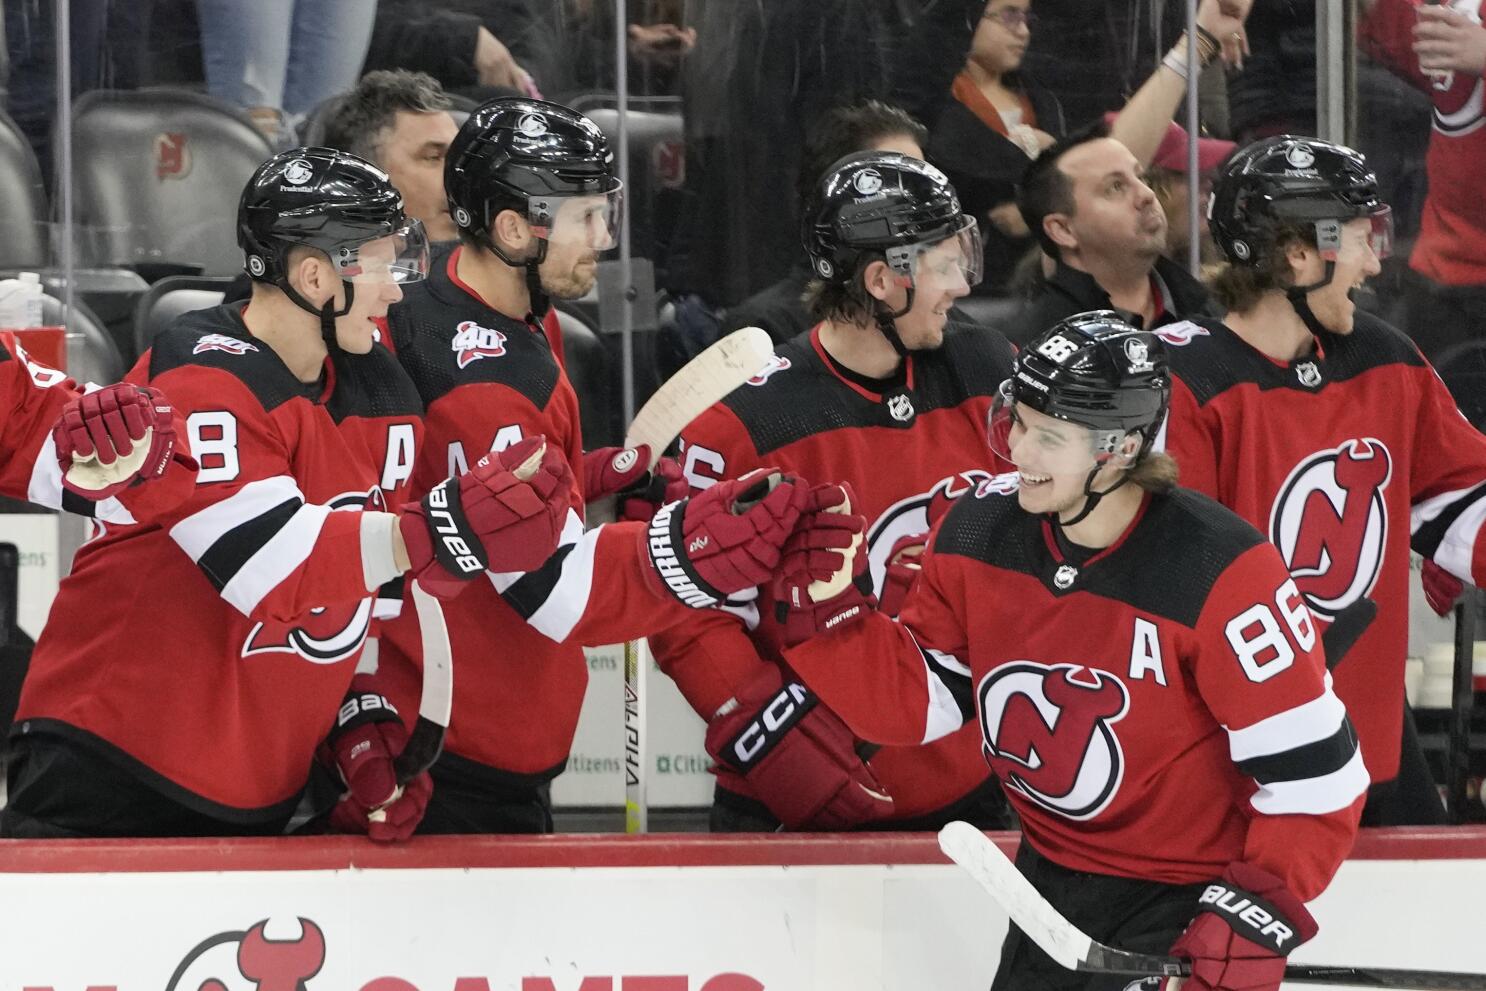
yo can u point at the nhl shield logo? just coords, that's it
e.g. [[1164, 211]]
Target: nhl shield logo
[[1048, 733], [900, 408], [1330, 523], [1308, 373], [473, 342], [1065, 576]]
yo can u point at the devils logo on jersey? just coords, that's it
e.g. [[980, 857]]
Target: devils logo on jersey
[[1331, 524], [473, 342], [1049, 734], [916, 514]]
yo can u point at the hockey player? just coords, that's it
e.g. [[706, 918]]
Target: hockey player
[[1144, 673], [532, 190], [191, 665], [1324, 427], [883, 395]]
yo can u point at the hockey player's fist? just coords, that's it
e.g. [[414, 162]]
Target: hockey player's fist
[[1246, 924], [1441, 589], [823, 583], [504, 514], [903, 568], [626, 474], [364, 744], [795, 756], [725, 539], [109, 439]]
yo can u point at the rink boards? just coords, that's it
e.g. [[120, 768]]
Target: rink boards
[[573, 913]]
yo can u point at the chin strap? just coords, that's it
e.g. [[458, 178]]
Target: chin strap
[[327, 313], [1298, 297], [887, 323], [538, 298], [1091, 499]]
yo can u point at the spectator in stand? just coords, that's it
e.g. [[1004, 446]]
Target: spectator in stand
[[869, 126], [400, 122], [279, 59], [985, 138], [1441, 49], [453, 46]]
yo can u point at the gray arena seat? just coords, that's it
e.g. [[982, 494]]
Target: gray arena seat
[[168, 299], [157, 175], [23, 210], [92, 355]]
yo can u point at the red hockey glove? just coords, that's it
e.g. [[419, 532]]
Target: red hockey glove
[[112, 438], [1441, 589], [665, 483], [796, 756], [724, 540], [504, 514], [610, 470], [367, 738], [903, 567], [823, 582], [1246, 924]]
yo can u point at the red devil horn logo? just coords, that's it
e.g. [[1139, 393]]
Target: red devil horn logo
[[281, 965]]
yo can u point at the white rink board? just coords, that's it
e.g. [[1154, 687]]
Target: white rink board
[[907, 927], [678, 762]]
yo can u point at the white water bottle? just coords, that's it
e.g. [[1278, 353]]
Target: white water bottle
[[20, 301]]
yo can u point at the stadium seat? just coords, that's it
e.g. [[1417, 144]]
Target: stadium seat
[[157, 174], [23, 210], [586, 359], [657, 164], [92, 355], [168, 299]]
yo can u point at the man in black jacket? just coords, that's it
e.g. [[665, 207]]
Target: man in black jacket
[[1085, 199]]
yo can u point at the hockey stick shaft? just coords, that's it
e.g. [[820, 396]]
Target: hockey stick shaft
[[426, 741], [1073, 949], [1462, 702], [636, 809]]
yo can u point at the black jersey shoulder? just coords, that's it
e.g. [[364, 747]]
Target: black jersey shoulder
[[217, 338], [1211, 359], [372, 385], [799, 396], [425, 327], [1167, 567]]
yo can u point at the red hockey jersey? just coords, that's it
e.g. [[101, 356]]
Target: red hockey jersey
[[1451, 248], [489, 381], [1158, 712], [207, 653], [34, 396], [907, 455], [1338, 458]]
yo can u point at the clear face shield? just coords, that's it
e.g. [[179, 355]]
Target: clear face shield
[[399, 257], [1038, 444], [586, 223], [1344, 240], [949, 265]]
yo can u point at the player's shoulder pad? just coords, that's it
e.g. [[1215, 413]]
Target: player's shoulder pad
[[1207, 357], [978, 523], [216, 338], [372, 385]]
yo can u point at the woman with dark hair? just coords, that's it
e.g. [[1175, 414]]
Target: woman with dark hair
[[996, 124]]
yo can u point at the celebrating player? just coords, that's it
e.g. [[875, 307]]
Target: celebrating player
[[263, 579], [1326, 429], [883, 395], [1146, 677]]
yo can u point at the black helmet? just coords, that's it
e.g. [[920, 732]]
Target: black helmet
[[520, 154], [325, 199], [1290, 180], [1097, 371], [876, 202]]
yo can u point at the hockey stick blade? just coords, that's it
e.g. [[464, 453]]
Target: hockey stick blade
[[1345, 630], [1072, 949], [700, 383]]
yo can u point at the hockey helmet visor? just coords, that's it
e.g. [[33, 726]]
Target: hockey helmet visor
[[946, 265], [1037, 443], [589, 221], [400, 256]]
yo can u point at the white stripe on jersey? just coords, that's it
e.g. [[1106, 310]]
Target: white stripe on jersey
[[198, 532], [944, 716], [1314, 796], [567, 598], [1318, 719], [45, 487], [1458, 544], [276, 559]]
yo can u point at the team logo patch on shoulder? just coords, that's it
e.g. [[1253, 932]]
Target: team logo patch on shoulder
[[473, 342], [1006, 483], [221, 342], [776, 363], [1180, 334]]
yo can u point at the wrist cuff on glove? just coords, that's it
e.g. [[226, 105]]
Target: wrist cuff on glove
[[775, 718], [1256, 919], [674, 573], [361, 708]]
